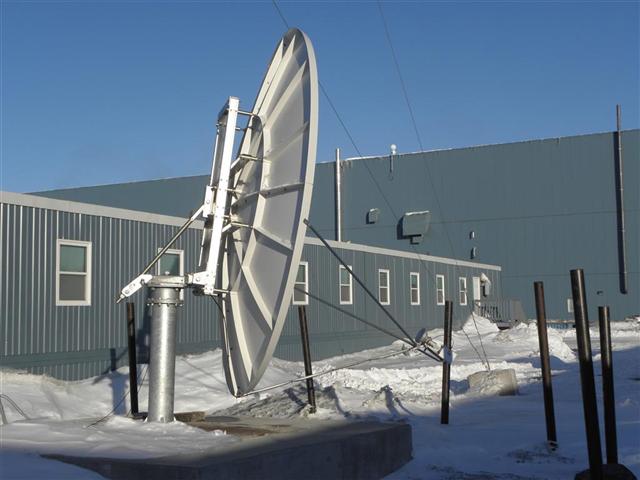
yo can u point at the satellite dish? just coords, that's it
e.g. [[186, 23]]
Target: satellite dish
[[273, 181], [253, 211]]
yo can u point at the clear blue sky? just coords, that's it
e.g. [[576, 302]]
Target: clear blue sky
[[105, 92]]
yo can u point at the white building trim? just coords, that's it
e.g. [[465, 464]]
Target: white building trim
[[135, 215], [399, 253], [91, 209]]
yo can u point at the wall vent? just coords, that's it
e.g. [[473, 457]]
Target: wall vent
[[373, 215]]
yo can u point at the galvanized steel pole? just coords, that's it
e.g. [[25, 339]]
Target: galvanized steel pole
[[611, 440], [446, 366], [133, 363], [163, 301], [586, 373], [306, 353], [545, 364]]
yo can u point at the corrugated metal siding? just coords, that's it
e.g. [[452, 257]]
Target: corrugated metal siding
[[72, 342], [333, 333], [75, 341], [538, 208]]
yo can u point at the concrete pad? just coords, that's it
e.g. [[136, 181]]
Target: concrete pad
[[501, 382], [188, 417], [610, 471], [275, 449]]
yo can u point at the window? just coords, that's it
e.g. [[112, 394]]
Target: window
[[346, 287], [414, 288], [171, 263], [384, 296], [73, 273], [439, 289], [302, 283], [462, 283]]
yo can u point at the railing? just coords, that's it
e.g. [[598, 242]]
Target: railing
[[505, 312]]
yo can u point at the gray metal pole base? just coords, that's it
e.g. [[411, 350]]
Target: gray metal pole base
[[163, 298]]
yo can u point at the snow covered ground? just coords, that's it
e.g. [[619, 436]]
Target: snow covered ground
[[489, 437]]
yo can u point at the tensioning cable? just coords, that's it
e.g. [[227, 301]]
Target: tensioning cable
[[307, 377], [427, 351]]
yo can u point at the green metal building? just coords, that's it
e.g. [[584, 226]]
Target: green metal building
[[515, 213], [64, 262], [538, 208]]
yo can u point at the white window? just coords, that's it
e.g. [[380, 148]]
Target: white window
[[384, 295], [462, 284], [414, 288], [171, 263], [346, 286], [73, 272], [302, 283], [439, 289]]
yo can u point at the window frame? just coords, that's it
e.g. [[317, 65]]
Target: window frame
[[387, 286], [306, 285], [461, 291], [173, 251], [417, 288], [87, 245], [340, 285], [438, 301]]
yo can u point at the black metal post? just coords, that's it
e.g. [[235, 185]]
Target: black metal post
[[586, 374], [607, 386], [306, 352], [446, 366], [541, 315], [133, 364]]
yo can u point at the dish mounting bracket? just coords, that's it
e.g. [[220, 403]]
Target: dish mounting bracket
[[216, 201], [214, 211]]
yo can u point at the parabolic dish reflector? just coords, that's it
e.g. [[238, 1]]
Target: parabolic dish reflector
[[273, 181]]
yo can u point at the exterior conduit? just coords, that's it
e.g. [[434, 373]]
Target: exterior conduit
[[622, 253], [338, 197]]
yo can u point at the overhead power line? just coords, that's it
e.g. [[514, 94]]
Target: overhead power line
[[343, 124], [427, 169], [416, 130], [402, 84], [284, 20]]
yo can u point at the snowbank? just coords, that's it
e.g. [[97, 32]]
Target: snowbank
[[624, 334], [526, 334], [476, 323], [488, 436]]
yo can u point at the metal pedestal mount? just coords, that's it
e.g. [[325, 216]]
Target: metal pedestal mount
[[246, 243], [163, 295], [163, 300]]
